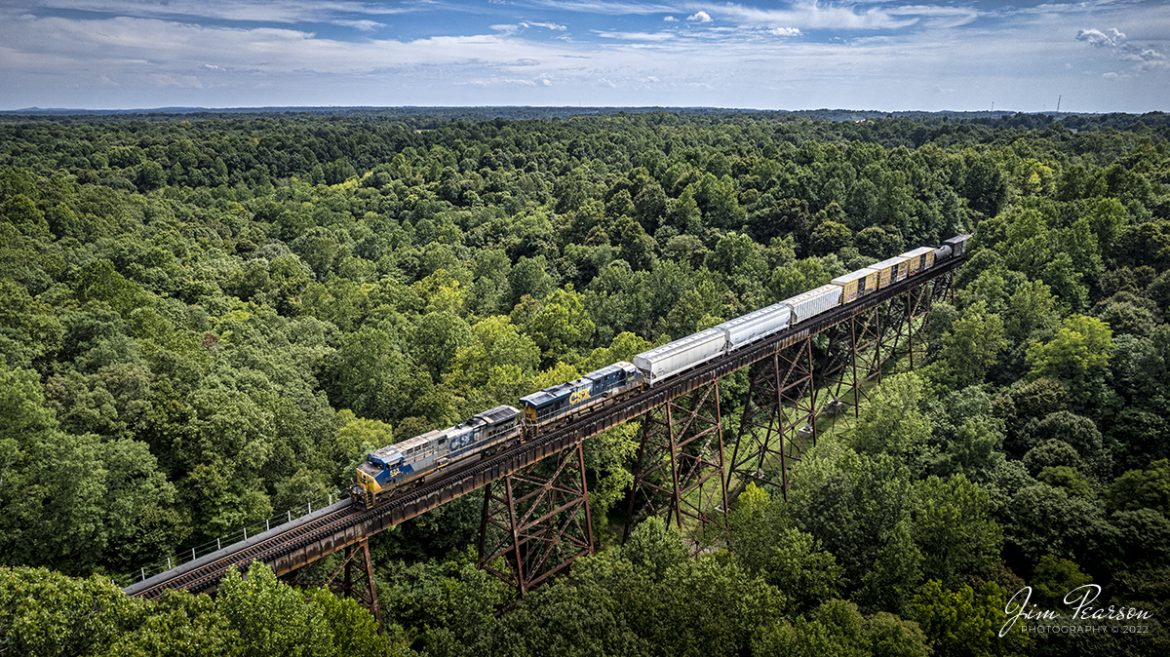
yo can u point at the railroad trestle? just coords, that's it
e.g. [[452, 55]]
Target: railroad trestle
[[698, 448]]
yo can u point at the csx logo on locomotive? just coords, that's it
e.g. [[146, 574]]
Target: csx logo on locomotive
[[579, 396]]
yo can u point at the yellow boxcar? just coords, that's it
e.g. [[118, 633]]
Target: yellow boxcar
[[856, 284], [919, 259], [889, 271]]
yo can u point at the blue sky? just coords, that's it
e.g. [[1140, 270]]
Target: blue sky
[[1100, 55]]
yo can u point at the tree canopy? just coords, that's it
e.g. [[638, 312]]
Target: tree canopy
[[207, 320]]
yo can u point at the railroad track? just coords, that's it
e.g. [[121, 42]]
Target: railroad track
[[205, 572]]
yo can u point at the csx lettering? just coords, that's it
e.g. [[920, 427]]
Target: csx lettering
[[579, 396]]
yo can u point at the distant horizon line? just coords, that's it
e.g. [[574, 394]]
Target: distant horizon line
[[612, 108]]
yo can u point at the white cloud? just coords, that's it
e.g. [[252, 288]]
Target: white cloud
[[1143, 57], [134, 46], [512, 28], [606, 7], [635, 36], [96, 61], [363, 25], [811, 15], [499, 81], [261, 11], [1098, 39], [553, 27], [1055, 9], [669, 19], [1153, 62], [936, 16]]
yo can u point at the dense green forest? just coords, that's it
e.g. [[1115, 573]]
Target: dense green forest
[[206, 320]]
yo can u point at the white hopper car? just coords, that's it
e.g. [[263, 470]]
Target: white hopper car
[[694, 350]]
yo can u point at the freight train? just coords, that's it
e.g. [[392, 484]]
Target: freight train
[[480, 435]]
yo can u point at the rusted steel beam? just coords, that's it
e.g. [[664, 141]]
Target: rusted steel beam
[[680, 434], [537, 526]]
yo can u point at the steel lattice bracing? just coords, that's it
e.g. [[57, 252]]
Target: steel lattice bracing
[[779, 417], [820, 366], [869, 342], [536, 522], [679, 468], [780, 410], [356, 572]]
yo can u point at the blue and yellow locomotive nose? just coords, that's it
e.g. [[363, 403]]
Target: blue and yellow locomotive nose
[[365, 481], [365, 486]]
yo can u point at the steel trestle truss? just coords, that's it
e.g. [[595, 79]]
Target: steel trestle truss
[[866, 344], [536, 517], [536, 522], [680, 453], [801, 381], [356, 560], [779, 417]]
